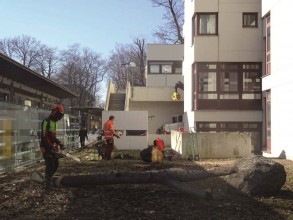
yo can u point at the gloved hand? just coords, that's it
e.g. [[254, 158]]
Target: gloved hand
[[58, 154]]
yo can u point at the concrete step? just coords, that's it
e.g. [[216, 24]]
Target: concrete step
[[117, 102]]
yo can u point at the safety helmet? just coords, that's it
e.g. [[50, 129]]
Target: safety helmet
[[59, 108], [59, 111]]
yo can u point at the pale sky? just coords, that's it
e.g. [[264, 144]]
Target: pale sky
[[97, 24]]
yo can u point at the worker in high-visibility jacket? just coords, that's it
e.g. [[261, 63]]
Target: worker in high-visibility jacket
[[109, 133], [50, 144]]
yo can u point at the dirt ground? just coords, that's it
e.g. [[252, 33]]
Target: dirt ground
[[22, 198]]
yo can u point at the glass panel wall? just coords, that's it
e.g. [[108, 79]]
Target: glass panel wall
[[20, 129]]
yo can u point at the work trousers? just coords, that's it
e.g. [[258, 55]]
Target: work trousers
[[109, 148], [52, 165], [82, 143]]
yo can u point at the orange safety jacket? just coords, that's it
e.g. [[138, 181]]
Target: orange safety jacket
[[109, 130], [160, 144]]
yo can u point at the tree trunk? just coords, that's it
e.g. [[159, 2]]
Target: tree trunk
[[171, 177]]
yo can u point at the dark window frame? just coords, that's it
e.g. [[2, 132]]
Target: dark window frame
[[194, 28], [268, 45], [268, 121], [219, 128], [194, 85], [136, 133], [244, 14], [174, 64], [197, 23], [218, 99]]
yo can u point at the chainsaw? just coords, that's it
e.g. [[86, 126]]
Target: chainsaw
[[63, 153]]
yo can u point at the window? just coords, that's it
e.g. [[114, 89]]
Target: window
[[4, 97], [249, 20], [228, 85], [194, 85], [177, 118], [251, 81], [193, 23], [250, 125], [268, 121], [178, 70], [207, 125], [206, 23], [268, 45], [207, 66], [136, 132], [229, 81], [167, 68], [250, 66], [229, 125], [229, 66], [207, 81], [154, 68], [174, 67], [178, 67], [232, 82], [207, 85]]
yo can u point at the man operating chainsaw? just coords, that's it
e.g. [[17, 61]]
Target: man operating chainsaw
[[109, 133], [50, 144]]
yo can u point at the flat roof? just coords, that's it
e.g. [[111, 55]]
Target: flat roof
[[90, 110], [17, 72]]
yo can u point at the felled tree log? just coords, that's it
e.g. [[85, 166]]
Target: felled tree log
[[171, 177], [255, 175]]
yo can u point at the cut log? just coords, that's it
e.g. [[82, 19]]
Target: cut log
[[171, 177], [142, 177], [254, 175]]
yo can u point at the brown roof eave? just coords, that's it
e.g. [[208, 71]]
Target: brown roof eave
[[15, 71]]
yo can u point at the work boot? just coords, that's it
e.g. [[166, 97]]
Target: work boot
[[48, 188], [47, 184]]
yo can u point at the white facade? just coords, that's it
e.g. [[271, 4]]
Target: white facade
[[156, 96], [128, 122], [163, 54], [160, 113], [232, 43], [280, 80]]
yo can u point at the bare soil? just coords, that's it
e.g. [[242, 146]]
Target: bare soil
[[22, 198]]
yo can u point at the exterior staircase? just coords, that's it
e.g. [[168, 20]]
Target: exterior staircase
[[117, 102]]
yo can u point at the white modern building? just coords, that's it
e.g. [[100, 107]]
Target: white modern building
[[164, 70], [277, 81], [222, 67]]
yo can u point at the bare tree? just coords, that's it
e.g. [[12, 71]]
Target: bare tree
[[82, 71], [138, 56], [119, 68], [47, 64], [171, 31], [31, 53], [27, 50], [6, 47]]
